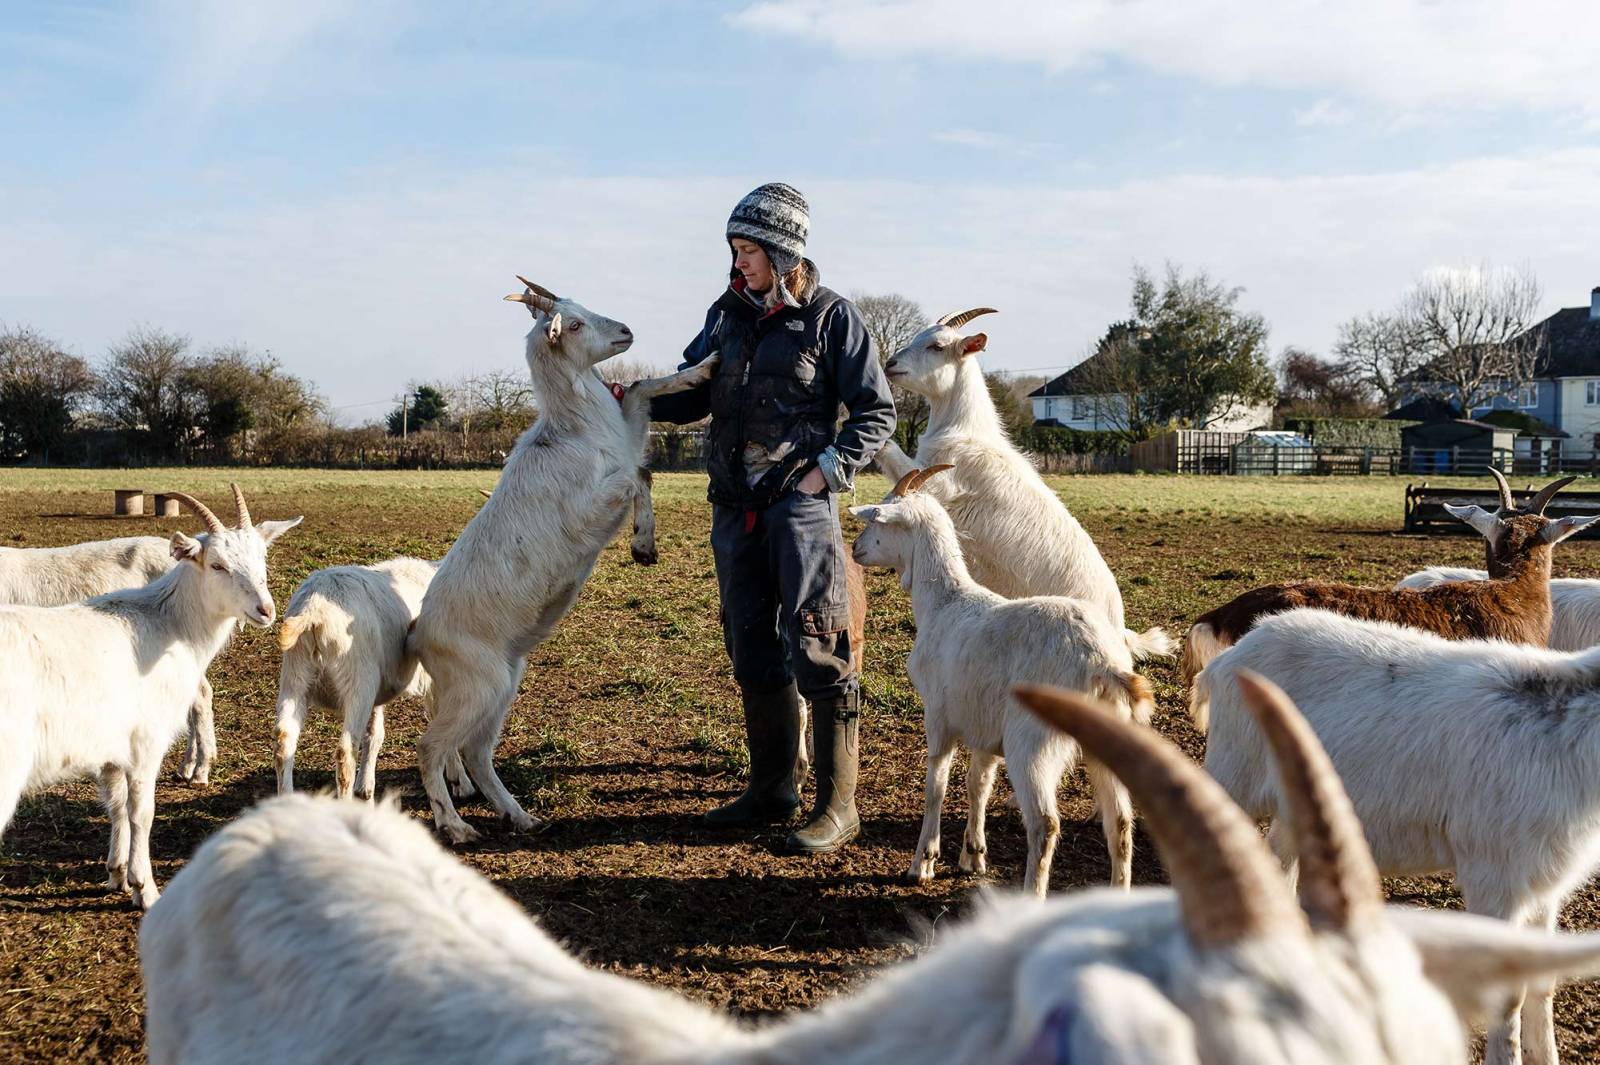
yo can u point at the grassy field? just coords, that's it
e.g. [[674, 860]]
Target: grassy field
[[627, 727]]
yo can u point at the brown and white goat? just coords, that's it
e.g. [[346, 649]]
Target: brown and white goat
[[1513, 604]]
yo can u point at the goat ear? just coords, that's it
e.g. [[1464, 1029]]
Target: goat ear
[[1561, 528], [1485, 523], [975, 343], [869, 512], [271, 530], [185, 546], [1478, 962], [552, 331]]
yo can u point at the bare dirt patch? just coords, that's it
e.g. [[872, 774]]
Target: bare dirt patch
[[627, 727]]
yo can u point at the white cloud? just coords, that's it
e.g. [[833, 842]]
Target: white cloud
[[969, 138], [400, 277], [1540, 54], [1324, 112]]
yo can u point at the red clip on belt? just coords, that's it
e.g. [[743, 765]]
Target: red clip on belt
[[617, 391], [749, 522]]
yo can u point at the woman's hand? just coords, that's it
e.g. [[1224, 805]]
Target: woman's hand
[[813, 482]]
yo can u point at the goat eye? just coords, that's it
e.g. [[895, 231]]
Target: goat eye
[[219, 567], [575, 326]]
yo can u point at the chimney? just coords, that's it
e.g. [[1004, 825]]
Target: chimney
[[1594, 304]]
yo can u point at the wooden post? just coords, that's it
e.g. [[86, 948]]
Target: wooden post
[[128, 502], [167, 506]]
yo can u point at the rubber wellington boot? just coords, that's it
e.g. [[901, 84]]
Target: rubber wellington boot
[[833, 821], [772, 731]]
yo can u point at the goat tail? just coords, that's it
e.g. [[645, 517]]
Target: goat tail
[[1200, 646], [1110, 684], [290, 629], [1151, 643]]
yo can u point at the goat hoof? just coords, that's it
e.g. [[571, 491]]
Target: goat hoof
[[917, 878], [145, 897], [463, 789], [524, 823], [461, 834]]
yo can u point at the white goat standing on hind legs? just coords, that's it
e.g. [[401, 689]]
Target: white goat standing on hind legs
[[102, 687], [311, 930], [972, 647], [522, 560], [1019, 538]]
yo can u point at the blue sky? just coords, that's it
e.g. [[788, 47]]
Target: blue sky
[[351, 185]]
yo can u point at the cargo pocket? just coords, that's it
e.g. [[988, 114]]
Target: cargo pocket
[[824, 621]]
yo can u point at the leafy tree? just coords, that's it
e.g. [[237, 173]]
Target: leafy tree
[[425, 408], [41, 388]]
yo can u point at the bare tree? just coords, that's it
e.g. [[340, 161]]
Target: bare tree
[[1476, 325], [1382, 351], [495, 400], [621, 371], [1467, 332], [1310, 386], [892, 320], [142, 389]]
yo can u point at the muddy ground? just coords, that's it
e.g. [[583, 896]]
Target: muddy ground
[[627, 727]]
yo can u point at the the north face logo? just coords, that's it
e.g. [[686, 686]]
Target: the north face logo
[[795, 324]]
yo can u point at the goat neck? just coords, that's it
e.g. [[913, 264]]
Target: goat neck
[[568, 398], [937, 571], [967, 409], [175, 601]]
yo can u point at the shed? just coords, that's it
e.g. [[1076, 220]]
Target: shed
[[1273, 452], [1456, 444]]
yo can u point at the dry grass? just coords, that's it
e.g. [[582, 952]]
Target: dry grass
[[627, 727]]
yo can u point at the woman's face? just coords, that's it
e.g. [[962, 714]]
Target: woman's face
[[752, 262]]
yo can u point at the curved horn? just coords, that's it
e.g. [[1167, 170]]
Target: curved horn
[[956, 321], [1537, 504], [906, 485], [921, 476], [213, 523], [536, 296], [1506, 500], [1339, 886], [1228, 885], [238, 505]]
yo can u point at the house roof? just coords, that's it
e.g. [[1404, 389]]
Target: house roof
[[1526, 424], [1070, 383], [1572, 343], [1425, 409]]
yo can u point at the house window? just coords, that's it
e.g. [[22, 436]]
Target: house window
[[1591, 393], [1528, 395], [1080, 408]]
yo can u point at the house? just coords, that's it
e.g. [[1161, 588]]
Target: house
[[1558, 412], [1069, 401]]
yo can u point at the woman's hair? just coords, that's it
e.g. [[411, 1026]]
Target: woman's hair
[[801, 281]]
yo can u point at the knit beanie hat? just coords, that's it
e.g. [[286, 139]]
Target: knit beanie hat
[[776, 217]]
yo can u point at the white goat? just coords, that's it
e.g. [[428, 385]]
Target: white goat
[[1221, 969], [343, 636], [56, 576], [1574, 603], [1478, 757], [972, 646], [522, 560], [102, 687], [1020, 539]]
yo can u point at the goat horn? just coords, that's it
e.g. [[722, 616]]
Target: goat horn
[[906, 485], [238, 504], [1229, 886], [213, 523], [956, 321], [536, 296], [1339, 886], [921, 476], [1506, 500], [1537, 504]]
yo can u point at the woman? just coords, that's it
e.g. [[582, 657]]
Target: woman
[[792, 352]]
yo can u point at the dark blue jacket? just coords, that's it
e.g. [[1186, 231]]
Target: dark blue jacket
[[783, 376]]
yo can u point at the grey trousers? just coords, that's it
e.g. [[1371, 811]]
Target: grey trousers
[[785, 608]]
